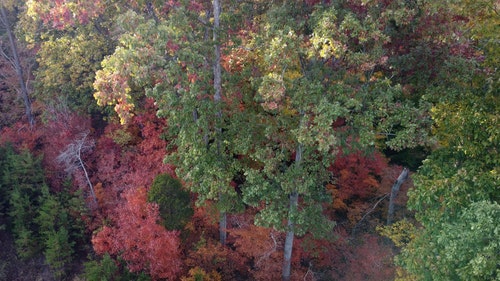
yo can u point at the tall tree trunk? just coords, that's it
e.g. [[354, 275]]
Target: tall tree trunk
[[217, 99], [223, 227], [17, 66], [290, 233], [394, 192], [217, 66]]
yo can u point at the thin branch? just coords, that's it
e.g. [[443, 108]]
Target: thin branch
[[267, 254], [369, 212], [309, 271], [9, 59]]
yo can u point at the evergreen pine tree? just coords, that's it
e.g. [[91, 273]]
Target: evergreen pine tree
[[53, 222], [58, 251], [22, 174]]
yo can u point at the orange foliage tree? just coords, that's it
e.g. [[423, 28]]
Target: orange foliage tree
[[211, 256], [358, 178], [263, 248], [136, 236]]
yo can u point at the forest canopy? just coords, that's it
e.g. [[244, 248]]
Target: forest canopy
[[249, 140]]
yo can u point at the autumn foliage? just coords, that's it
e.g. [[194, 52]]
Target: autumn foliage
[[313, 93], [358, 174], [262, 247], [136, 236], [65, 13]]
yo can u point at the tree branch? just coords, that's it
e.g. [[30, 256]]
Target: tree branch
[[71, 158], [369, 212]]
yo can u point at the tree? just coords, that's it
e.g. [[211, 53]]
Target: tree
[[197, 273], [303, 86], [461, 175], [394, 191], [211, 256], [4, 189], [107, 269], [104, 270], [175, 62], [446, 190], [13, 57], [58, 251], [360, 178], [66, 68], [135, 236], [60, 228], [72, 159], [71, 39], [462, 249], [23, 175], [173, 202], [262, 247], [217, 99], [289, 169]]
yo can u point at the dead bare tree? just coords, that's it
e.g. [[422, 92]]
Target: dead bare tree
[[71, 159]]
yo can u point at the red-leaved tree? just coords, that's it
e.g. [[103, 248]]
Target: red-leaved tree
[[138, 238], [358, 178], [358, 175]]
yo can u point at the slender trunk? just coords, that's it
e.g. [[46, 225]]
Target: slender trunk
[[82, 165], [394, 191], [290, 234], [18, 67], [217, 98], [217, 66], [91, 187], [223, 228]]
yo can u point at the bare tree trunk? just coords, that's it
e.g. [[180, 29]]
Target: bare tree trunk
[[16, 63], [217, 98], [394, 192], [290, 234]]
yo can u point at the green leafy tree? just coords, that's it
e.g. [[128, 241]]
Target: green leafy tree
[[67, 66], [457, 185], [463, 171], [173, 201], [461, 249], [305, 85], [175, 61]]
